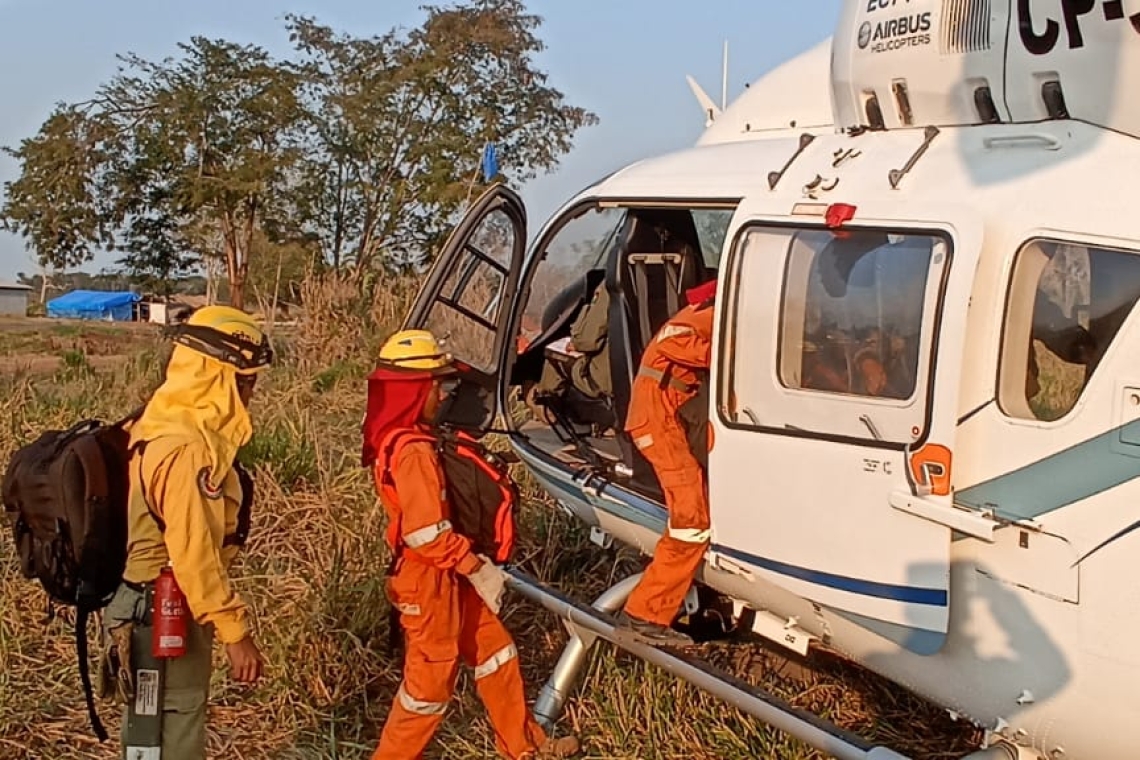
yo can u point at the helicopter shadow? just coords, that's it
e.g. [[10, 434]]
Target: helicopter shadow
[[997, 660]]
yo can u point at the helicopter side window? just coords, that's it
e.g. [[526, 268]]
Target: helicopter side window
[[853, 312], [853, 315], [712, 226], [1066, 304]]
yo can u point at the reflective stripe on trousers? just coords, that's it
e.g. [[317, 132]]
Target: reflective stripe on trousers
[[496, 661], [417, 706], [691, 535]]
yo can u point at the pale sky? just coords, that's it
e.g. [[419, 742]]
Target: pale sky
[[625, 60]]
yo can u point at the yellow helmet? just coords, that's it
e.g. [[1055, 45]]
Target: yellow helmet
[[228, 335], [415, 350]]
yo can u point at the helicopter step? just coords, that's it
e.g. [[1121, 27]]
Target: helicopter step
[[587, 624]]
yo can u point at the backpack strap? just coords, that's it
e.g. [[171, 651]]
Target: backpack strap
[[96, 487], [393, 442], [95, 483], [245, 511], [132, 417], [390, 447], [136, 454]]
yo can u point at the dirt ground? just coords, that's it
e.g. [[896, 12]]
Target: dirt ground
[[38, 345]]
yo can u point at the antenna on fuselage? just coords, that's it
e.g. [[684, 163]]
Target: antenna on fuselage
[[712, 111], [724, 80]]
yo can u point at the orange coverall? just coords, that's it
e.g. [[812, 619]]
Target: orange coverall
[[443, 618], [665, 381]]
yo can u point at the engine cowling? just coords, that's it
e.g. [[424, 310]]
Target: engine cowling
[[915, 63]]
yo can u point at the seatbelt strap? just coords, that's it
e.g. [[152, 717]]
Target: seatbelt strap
[[673, 285], [643, 300]]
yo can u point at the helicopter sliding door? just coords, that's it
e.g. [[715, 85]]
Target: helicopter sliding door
[[837, 373]]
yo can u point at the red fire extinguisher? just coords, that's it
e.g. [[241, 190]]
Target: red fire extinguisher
[[168, 639]]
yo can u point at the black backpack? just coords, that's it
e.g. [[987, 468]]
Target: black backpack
[[66, 498], [480, 493], [694, 418]]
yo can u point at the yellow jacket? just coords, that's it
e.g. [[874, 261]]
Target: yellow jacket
[[173, 474]]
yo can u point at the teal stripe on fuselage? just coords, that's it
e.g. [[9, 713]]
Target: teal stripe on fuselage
[[1061, 479]]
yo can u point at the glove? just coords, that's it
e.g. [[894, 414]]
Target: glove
[[115, 677], [488, 582]]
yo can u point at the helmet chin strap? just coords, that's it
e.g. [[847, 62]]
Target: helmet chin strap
[[437, 419]]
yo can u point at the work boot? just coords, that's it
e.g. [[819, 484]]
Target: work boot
[[563, 746], [647, 632]]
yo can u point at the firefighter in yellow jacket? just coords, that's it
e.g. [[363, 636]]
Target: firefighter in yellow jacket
[[189, 510]]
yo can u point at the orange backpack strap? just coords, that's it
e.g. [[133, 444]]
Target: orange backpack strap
[[390, 447], [393, 443]]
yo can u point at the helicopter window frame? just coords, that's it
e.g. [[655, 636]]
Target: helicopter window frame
[[921, 403], [1022, 304]]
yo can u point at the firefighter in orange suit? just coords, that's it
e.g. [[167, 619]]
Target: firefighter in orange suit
[[667, 378], [446, 595]]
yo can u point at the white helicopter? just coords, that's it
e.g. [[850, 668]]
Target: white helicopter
[[925, 388]]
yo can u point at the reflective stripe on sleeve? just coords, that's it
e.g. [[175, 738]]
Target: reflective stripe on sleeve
[[673, 331], [425, 536]]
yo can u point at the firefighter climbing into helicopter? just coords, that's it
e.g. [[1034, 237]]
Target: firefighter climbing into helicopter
[[673, 368]]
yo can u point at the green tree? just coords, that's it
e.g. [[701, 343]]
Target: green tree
[[204, 139], [397, 123], [154, 257], [52, 204], [363, 150]]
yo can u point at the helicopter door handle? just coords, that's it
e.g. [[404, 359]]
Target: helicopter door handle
[[1046, 141]]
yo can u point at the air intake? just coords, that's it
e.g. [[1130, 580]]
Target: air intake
[[965, 26]]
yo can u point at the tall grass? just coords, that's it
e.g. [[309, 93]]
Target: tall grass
[[313, 573]]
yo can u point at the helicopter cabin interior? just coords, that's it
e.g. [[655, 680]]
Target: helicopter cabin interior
[[609, 277]]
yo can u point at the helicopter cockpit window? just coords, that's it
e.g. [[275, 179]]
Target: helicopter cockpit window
[[853, 312], [578, 247], [467, 310], [1066, 304]]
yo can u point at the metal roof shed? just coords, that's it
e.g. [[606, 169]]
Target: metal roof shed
[[13, 299]]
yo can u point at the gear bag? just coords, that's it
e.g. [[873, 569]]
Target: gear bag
[[480, 493], [66, 498], [694, 418]]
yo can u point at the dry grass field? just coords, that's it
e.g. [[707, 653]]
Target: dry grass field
[[313, 573]]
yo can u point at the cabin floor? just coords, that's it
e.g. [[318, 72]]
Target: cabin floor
[[548, 440]]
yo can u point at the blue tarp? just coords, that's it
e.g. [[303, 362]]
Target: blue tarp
[[94, 304]]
